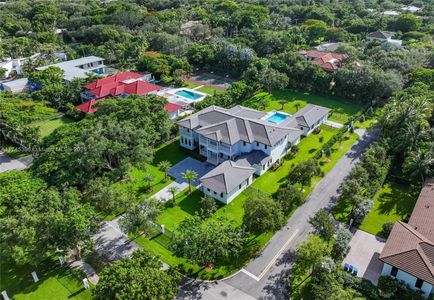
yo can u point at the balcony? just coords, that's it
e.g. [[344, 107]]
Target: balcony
[[226, 149]]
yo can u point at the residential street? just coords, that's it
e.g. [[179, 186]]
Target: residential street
[[265, 276], [7, 163]]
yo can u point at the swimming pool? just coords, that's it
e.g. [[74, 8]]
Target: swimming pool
[[189, 95], [277, 118]]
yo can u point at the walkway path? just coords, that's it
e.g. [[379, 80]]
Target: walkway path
[[265, 277], [86, 268], [7, 163], [164, 194]]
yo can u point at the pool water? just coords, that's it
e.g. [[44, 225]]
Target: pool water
[[188, 94], [277, 118]]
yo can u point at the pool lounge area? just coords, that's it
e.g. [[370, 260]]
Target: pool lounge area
[[183, 96], [276, 117]]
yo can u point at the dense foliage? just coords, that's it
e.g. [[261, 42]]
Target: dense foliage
[[121, 134], [139, 277]]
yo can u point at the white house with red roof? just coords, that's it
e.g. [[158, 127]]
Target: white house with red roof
[[121, 85], [328, 61]]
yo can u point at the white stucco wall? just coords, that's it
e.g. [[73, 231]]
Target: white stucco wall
[[186, 136], [227, 198], [409, 279]]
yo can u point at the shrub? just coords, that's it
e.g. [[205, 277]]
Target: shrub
[[288, 197], [341, 245], [387, 286], [386, 229], [208, 206]]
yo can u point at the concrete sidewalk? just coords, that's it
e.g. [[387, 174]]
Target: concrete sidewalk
[[164, 194]]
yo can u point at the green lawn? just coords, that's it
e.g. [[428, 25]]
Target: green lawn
[[46, 127], [271, 180], [187, 205], [209, 90], [342, 109], [54, 283], [394, 202], [170, 151]]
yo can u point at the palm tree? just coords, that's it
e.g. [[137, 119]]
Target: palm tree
[[164, 166], [414, 134], [282, 103], [297, 105], [148, 178], [173, 190], [420, 164], [190, 176]]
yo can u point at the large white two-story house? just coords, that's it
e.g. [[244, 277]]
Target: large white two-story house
[[248, 138]]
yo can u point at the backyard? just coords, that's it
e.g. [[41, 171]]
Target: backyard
[[394, 202], [46, 127], [342, 109], [55, 282]]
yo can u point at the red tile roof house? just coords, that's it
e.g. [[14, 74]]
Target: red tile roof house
[[409, 251], [121, 85], [328, 61]]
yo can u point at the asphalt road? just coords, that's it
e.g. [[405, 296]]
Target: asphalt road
[[266, 276]]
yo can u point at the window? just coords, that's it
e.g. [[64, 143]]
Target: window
[[265, 146], [215, 193], [182, 140], [419, 283], [394, 272], [188, 130], [208, 190], [239, 187], [257, 144], [221, 195]]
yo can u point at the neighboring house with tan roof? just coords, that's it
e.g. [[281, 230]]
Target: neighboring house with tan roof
[[409, 251], [246, 137], [328, 61]]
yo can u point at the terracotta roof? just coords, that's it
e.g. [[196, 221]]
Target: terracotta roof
[[410, 247], [121, 83], [329, 61], [171, 107], [87, 107]]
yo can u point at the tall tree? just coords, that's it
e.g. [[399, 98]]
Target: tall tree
[[304, 172], [190, 176], [140, 277], [323, 224]]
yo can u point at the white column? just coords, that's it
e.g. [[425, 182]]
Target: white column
[[5, 295], [86, 283], [35, 276]]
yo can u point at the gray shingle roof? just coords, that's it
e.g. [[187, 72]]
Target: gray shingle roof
[[380, 35], [226, 176], [256, 157], [237, 124], [310, 114]]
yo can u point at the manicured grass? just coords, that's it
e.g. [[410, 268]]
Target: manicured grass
[[209, 90], [187, 205], [54, 282], [271, 180], [191, 85], [170, 151], [395, 201], [342, 109], [46, 127]]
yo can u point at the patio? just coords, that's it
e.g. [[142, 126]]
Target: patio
[[201, 168], [364, 253]]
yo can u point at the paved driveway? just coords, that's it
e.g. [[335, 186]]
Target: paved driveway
[[364, 253], [189, 163], [7, 163]]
